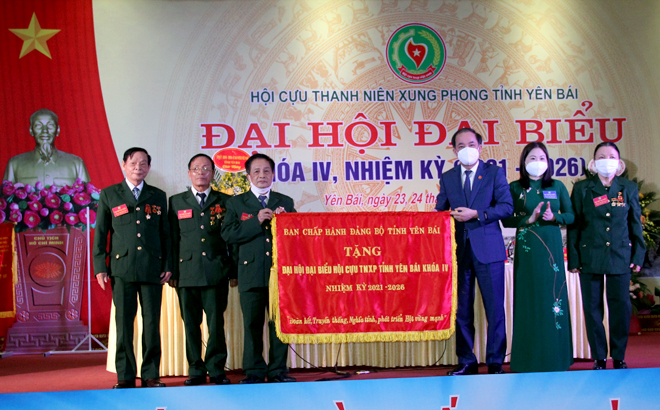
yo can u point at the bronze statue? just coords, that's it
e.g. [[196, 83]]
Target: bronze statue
[[45, 163]]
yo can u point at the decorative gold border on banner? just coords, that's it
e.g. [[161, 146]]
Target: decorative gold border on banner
[[454, 277], [366, 337], [14, 265], [274, 294], [14, 276], [274, 312]]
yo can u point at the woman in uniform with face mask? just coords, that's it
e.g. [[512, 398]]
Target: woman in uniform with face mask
[[604, 245], [541, 319]]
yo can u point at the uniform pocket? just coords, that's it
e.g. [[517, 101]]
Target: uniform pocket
[[585, 253], [118, 252], [187, 225], [185, 256], [245, 258], [122, 219], [626, 250], [118, 261]]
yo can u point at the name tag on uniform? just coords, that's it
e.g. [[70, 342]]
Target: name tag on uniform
[[601, 200], [120, 210], [549, 194], [185, 214]]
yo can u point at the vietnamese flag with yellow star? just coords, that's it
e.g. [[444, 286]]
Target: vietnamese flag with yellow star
[[48, 60]]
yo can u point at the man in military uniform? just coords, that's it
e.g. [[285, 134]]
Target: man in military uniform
[[202, 269], [45, 163], [247, 224], [134, 215]]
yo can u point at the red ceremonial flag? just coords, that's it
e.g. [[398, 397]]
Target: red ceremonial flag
[[363, 277], [48, 60]]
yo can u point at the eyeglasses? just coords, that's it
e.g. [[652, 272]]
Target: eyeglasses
[[202, 170]]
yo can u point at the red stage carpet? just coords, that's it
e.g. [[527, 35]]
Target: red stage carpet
[[35, 373]]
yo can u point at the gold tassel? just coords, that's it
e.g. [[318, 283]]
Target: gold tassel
[[14, 265], [454, 279], [366, 337], [273, 293], [14, 276]]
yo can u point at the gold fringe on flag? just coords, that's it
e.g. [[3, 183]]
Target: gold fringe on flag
[[273, 295], [358, 337], [14, 277]]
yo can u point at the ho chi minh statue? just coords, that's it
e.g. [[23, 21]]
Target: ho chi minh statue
[[45, 163]]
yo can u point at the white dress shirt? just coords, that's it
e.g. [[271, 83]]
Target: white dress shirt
[[195, 192]]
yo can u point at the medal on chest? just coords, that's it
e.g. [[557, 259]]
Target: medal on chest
[[618, 201]]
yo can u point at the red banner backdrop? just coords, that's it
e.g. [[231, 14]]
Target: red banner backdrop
[[49, 61], [363, 277], [7, 279]]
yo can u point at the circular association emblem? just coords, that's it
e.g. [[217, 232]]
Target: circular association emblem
[[416, 53]]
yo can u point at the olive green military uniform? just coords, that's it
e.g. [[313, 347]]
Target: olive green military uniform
[[138, 252], [604, 240], [202, 268], [255, 243]]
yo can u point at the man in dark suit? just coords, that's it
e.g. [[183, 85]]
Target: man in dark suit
[[134, 216], [202, 270], [247, 224], [479, 197]]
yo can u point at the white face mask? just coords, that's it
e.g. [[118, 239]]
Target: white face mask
[[468, 156], [536, 168], [260, 191], [607, 167]]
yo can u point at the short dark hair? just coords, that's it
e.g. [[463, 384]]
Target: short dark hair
[[248, 163], [44, 111], [546, 181], [607, 144], [131, 151], [462, 130], [201, 155]]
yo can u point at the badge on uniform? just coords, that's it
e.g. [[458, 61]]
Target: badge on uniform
[[185, 214], [120, 210], [618, 201], [601, 200], [217, 209], [549, 194], [245, 216]]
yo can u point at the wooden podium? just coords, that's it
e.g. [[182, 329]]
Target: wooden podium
[[49, 291]]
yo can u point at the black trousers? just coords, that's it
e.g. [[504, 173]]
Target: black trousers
[[253, 304], [212, 300], [619, 310], [125, 296]]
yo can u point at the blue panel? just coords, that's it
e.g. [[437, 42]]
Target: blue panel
[[593, 390]]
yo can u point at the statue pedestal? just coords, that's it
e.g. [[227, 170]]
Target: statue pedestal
[[49, 291]]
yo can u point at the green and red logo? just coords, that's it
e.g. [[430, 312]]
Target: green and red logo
[[416, 53]]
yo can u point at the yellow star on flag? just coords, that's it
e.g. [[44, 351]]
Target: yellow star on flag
[[34, 37]]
